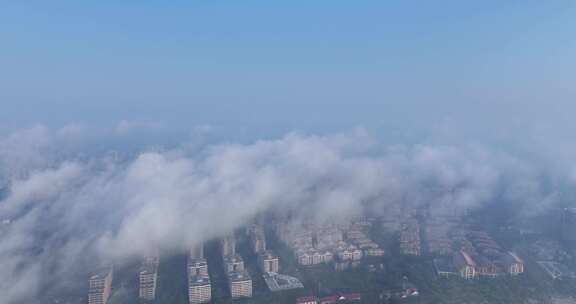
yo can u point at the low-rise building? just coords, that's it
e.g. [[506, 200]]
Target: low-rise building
[[514, 265], [465, 265], [350, 254], [314, 257], [487, 267], [304, 258], [366, 244], [319, 257], [374, 252]]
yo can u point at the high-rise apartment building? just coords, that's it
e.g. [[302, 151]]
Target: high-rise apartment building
[[228, 246], [100, 286], [240, 284], [197, 252], [148, 280], [199, 289], [268, 262], [257, 239], [234, 263], [197, 267]]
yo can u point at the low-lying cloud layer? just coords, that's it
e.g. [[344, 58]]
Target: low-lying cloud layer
[[62, 209]]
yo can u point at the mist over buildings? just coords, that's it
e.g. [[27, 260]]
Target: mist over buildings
[[129, 127], [64, 207]]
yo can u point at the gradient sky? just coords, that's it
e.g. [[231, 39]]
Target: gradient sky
[[282, 65]]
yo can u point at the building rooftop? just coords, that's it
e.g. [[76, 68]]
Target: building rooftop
[[199, 280], [467, 258], [277, 282], [238, 276], [145, 269], [101, 273], [515, 257]]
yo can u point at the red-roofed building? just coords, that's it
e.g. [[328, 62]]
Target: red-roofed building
[[514, 265], [465, 265]]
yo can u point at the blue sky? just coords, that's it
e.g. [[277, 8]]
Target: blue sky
[[282, 65]]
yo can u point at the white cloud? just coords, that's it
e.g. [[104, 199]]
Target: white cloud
[[169, 199]]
